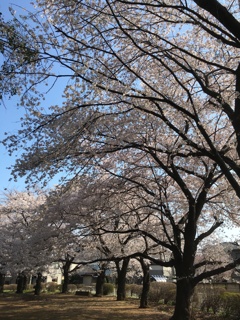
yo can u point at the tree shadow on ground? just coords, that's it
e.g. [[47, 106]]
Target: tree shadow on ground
[[71, 307]]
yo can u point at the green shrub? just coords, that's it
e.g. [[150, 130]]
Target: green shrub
[[217, 300], [164, 292], [231, 305], [154, 294], [108, 288], [134, 289]]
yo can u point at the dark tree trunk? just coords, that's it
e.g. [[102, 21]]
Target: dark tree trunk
[[38, 285], [100, 280], [185, 274], [66, 269], [121, 281], [99, 283], [236, 118], [21, 282], [184, 260], [223, 15], [185, 290], [146, 284], [65, 281], [2, 281]]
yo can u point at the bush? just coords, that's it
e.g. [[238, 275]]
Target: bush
[[231, 305], [134, 289], [164, 292], [212, 299], [154, 294], [72, 288], [10, 287], [52, 287], [29, 287], [108, 288], [217, 300]]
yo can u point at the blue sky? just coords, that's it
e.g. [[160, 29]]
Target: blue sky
[[9, 122], [9, 114]]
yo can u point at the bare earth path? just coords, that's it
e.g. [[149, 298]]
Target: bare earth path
[[71, 307]]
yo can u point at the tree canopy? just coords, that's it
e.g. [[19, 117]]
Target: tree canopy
[[149, 115]]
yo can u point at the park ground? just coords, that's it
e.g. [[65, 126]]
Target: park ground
[[72, 307]]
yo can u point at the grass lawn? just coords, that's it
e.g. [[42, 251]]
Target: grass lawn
[[72, 307]]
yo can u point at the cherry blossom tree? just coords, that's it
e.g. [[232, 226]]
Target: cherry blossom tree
[[152, 99], [159, 209], [72, 242], [164, 213], [216, 254], [25, 244], [34, 236], [86, 223]]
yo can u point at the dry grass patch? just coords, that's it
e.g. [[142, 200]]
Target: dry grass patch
[[71, 307]]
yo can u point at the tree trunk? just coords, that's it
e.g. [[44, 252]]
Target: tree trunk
[[185, 290], [66, 269], [146, 284], [38, 285], [99, 283], [236, 118], [121, 281], [65, 281], [21, 282], [2, 281]]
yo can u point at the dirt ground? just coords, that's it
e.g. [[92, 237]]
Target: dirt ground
[[72, 307]]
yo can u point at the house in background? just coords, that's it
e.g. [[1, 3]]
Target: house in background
[[86, 275], [53, 274], [161, 274]]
